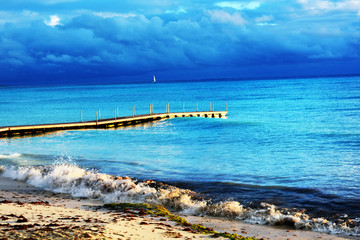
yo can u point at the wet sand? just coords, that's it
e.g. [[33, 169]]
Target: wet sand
[[29, 212]]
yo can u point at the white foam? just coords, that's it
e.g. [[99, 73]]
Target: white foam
[[69, 178], [78, 182], [11, 155]]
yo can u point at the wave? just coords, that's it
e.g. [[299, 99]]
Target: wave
[[12, 155], [80, 182]]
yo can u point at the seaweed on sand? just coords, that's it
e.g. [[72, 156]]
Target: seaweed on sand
[[157, 210]]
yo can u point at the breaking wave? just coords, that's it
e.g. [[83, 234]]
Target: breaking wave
[[79, 182], [12, 155]]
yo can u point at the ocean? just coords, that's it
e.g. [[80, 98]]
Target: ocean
[[288, 152]]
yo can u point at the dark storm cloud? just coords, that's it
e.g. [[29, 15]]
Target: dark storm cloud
[[61, 39]]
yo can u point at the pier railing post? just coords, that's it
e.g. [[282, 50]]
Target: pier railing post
[[197, 106], [81, 116], [114, 113], [183, 107], [96, 117], [99, 114]]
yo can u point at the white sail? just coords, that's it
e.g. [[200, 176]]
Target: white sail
[[154, 79]]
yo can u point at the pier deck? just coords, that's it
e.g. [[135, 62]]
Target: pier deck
[[28, 130]]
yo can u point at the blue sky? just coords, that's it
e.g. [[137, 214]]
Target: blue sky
[[55, 41]]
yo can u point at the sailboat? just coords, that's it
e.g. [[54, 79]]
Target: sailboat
[[154, 80]]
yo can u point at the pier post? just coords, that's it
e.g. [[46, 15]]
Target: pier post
[[96, 117], [99, 114], [183, 107], [81, 116], [114, 113], [150, 109], [197, 106], [117, 112]]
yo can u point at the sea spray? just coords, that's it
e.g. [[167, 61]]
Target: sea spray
[[65, 178], [79, 182]]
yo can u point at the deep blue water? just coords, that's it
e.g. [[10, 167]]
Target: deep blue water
[[293, 142]]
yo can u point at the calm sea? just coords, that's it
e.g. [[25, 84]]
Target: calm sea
[[291, 143]]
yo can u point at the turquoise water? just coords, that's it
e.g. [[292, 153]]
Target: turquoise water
[[292, 143]]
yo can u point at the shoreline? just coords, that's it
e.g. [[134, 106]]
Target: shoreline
[[27, 211]]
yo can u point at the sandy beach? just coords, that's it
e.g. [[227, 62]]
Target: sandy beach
[[27, 212]]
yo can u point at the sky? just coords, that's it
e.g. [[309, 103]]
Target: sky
[[94, 41]]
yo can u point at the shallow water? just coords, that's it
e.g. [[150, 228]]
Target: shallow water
[[293, 143]]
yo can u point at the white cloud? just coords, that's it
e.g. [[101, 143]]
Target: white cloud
[[113, 14], [180, 10], [224, 17], [54, 21], [64, 58], [264, 18], [6, 17], [28, 13], [22, 17], [266, 24], [58, 59], [239, 5], [324, 5], [50, 2]]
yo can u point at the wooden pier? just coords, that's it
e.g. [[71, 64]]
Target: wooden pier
[[28, 130]]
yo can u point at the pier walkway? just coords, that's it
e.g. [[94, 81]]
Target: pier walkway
[[28, 130]]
